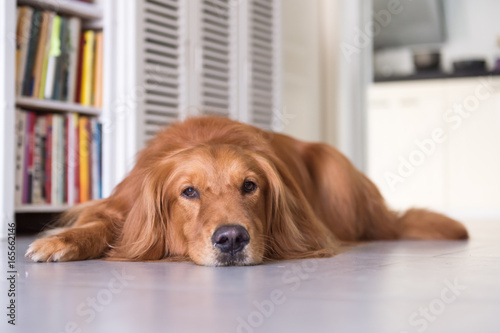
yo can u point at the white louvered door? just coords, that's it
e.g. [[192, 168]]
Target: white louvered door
[[218, 73], [162, 71], [207, 57], [263, 88]]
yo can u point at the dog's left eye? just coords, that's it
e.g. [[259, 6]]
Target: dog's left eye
[[249, 186], [191, 193]]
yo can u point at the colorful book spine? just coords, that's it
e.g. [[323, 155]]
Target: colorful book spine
[[87, 68], [54, 53], [40, 55], [74, 26], [84, 160], [46, 56], [31, 155], [61, 146], [55, 165], [94, 160], [99, 163], [48, 160], [61, 62], [98, 70], [72, 120], [37, 194], [20, 154], [22, 44], [77, 160], [30, 60]]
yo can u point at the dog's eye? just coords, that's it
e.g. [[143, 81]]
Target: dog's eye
[[190, 193], [249, 186]]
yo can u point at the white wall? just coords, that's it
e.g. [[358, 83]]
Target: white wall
[[301, 69], [323, 88]]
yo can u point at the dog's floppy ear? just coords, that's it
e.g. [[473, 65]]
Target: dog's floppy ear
[[293, 230], [143, 236]]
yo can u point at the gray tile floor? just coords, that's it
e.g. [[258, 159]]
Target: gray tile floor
[[379, 287]]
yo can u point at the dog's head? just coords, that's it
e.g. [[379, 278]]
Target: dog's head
[[220, 205]]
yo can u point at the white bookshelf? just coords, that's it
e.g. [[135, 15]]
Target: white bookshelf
[[41, 208], [56, 106], [93, 17], [86, 11]]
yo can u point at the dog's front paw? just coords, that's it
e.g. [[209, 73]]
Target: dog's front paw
[[52, 248]]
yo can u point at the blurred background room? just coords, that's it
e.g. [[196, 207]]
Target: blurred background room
[[408, 90]]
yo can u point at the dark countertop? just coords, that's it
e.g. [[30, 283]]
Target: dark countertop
[[435, 75]]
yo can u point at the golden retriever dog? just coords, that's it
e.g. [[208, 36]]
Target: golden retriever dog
[[220, 193]]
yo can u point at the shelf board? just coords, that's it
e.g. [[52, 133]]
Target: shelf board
[[57, 106], [93, 25], [41, 208], [69, 7]]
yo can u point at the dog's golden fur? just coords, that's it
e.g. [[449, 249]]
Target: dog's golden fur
[[308, 198]]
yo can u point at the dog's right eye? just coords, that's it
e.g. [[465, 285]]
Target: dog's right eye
[[190, 193]]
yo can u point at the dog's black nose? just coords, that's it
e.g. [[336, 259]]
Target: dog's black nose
[[230, 238]]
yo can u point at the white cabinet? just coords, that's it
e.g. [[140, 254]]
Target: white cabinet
[[474, 148], [436, 144]]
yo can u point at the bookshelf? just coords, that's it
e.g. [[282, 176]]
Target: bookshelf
[[56, 106], [93, 17], [153, 75], [41, 208], [86, 11]]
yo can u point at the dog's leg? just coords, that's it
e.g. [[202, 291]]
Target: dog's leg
[[88, 241]]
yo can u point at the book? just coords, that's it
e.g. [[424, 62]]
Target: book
[[98, 69], [84, 160], [46, 56], [61, 62], [25, 176], [78, 95], [65, 62], [20, 153], [32, 46], [29, 164], [87, 68], [43, 156], [77, 160], [94, 159], [55, 166], [72, 131], [74, 26], [22, 43], [54, 53], [37, 195], [60, 165], [99, 163], [88, 127], [40, 54], [48, 160], [63, 161]]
